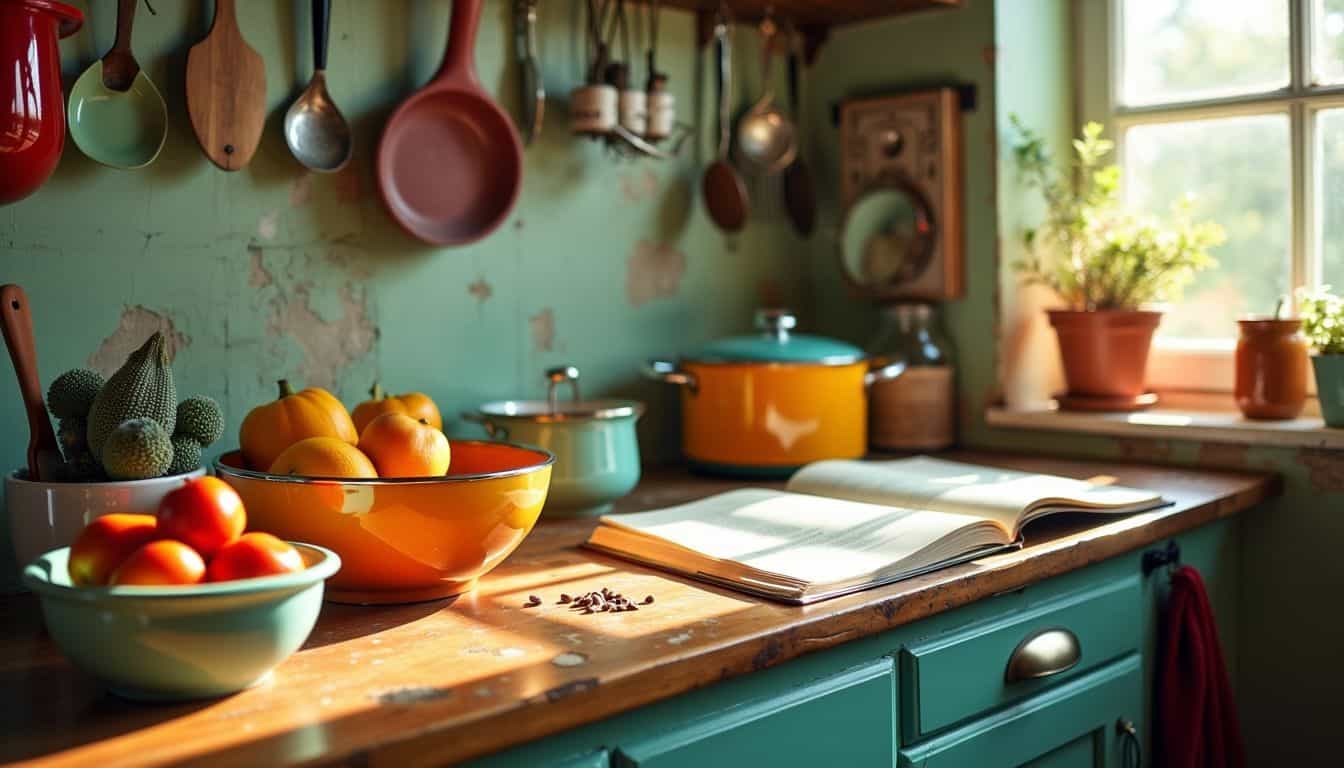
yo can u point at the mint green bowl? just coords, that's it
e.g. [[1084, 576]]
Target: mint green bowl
[[181, 643]]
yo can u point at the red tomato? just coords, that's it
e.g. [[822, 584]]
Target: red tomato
[[205, 513], [105, 543], [162, 562], [253, 555]]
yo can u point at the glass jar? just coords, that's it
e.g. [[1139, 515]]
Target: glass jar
[[918, 410], [1272, 359]]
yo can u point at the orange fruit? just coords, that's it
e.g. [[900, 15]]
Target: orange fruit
[[106, 543], [252, 555], [161, 563], [417, 405], [205, 514], [400, 446], [323, 457]]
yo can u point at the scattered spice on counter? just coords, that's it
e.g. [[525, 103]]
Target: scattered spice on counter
[[600, 601], [603, 601]]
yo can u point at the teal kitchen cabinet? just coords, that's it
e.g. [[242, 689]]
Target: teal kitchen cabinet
[[933, 693], [952, 676], [849, 719], [1072, 724], [597, 759]]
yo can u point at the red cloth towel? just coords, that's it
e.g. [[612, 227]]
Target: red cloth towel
[[1196, 715]]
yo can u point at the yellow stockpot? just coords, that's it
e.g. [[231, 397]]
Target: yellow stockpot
[[767, 404]]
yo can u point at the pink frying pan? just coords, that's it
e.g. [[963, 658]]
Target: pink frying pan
[[450, 162]]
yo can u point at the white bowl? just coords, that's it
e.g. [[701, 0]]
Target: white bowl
[[44, 516]]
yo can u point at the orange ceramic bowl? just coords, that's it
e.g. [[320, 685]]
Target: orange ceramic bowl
[[403, 540]]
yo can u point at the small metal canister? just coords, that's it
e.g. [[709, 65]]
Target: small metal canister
[[917, 411]]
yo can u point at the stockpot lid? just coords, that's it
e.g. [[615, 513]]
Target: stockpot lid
[[775, 343], [554, 409]]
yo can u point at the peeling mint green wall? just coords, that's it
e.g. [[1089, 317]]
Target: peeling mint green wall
[[272, 271]]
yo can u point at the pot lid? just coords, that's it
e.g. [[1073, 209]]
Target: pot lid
[[777, 344], [555, 409]]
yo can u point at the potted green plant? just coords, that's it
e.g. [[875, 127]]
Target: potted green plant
[[1109, 266], [1322, 314]]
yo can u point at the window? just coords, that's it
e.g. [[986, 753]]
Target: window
[[1240, 106]]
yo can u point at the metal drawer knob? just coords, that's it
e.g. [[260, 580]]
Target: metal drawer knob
[[1044, 653]]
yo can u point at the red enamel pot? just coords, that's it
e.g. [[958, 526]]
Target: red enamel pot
[[32, 107]]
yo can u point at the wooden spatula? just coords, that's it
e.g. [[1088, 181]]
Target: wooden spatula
[[226, 92], [44, 456]]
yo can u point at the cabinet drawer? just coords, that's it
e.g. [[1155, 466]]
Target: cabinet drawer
[[847, 719], [951, 677], [1072, 724]]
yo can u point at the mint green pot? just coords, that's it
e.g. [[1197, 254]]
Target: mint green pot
[[1330, 387], [184, 642], [594, 441]]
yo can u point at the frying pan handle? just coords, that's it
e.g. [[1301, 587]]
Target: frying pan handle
[[459, 60], [321, 30]]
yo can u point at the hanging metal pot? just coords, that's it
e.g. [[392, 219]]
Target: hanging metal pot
[[764, 405], [32, 107]]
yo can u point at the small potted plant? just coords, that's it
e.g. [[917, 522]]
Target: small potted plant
[[1322, 314], [1107, 264]]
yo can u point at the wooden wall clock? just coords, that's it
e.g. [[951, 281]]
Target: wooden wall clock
[[901, 187]]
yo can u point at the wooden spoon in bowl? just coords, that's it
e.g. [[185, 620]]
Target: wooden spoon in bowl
[[44, 455]]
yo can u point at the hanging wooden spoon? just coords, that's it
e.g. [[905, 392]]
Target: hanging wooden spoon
[[226, 92], [44, 456]]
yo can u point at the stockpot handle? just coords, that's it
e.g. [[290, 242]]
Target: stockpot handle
[[885, 373], [668, 373], [495, 431]]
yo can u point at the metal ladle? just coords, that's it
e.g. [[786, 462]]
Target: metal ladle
[[315, 130], [766, 138]]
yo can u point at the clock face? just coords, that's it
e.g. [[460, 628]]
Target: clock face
[[887, 238]]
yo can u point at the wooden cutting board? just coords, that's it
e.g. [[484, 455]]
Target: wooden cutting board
[[226, 92]]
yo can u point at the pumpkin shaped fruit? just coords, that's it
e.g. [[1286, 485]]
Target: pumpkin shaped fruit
[[271, 428], [417, 405], [401, 446], [323, 457]]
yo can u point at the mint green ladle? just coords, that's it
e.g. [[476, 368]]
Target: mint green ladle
[[116, 115]]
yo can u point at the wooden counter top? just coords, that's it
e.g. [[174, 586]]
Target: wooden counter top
[[448, 680]]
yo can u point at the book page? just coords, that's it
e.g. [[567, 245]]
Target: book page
[[923, 482], [808, 538]]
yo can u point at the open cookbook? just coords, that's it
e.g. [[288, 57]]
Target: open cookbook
[[843, 526]]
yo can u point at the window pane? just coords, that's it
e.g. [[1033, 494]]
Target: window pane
[[1182, 50], [1237, 172], [1330, 197], [1328, 46]]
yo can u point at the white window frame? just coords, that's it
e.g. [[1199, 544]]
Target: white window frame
[[1208, 366]]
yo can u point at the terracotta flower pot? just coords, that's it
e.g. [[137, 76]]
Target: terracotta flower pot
[[1105, 352]]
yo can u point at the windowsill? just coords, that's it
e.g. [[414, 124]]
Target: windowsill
[[1199, 418]]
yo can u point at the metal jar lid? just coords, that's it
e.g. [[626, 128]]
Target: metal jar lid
[[553, 409]]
